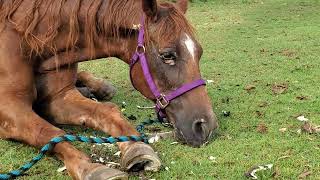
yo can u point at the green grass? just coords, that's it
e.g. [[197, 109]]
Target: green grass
[[246, 42]]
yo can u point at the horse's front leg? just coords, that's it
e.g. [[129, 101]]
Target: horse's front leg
[[65, 105], [72, 108]]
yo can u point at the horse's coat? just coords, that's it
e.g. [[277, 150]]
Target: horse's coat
[[42, 41]]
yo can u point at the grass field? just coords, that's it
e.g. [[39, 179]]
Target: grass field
[[263, 58]]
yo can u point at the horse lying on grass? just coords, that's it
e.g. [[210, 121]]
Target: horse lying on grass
[[42, 41]]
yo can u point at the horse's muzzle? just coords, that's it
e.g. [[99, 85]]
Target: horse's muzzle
[[196, 132]]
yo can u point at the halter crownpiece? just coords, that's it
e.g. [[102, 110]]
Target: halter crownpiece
[[162, 100]]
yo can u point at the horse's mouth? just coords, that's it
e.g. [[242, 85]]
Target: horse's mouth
[[191, 141]]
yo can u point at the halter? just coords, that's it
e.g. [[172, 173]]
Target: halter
[[162, 100]]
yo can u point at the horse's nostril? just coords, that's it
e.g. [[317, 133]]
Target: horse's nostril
[[199, 128]]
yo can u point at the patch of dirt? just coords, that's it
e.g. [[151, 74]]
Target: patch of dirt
[[288, 53], [280, 88], [262, 128], [250, 88]]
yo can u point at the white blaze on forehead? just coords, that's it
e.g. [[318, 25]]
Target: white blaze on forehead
[[191, 46]]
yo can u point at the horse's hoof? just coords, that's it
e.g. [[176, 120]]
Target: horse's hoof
[[140, 156], [105, 173], [105, 91], [86, 92]]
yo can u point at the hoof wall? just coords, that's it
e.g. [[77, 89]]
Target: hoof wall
[[139, 157]]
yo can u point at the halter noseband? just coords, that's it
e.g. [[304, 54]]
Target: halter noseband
[[162, 100]]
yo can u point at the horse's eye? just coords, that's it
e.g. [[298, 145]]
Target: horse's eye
[[169, 57]]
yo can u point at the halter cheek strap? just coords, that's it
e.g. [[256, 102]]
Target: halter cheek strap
[[162, 100]]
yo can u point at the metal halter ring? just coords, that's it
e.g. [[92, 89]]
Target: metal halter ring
[[141, 47], [162, 101]]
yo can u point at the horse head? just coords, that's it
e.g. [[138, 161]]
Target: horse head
[[172, 59]]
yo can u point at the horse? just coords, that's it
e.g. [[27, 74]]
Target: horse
[[42, 42]]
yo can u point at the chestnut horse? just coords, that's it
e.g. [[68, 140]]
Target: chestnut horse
[[42, 41]]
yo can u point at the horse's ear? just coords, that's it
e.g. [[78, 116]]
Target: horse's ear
[[150, 8], [183, 5]]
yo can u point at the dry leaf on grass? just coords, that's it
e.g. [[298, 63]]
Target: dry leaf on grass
[[279, 88], [112, 165], [302, 119], [283, 130], [211, 158], [251, 173], [118, 154], [283, 157], [305, 174], [60, 170], [210, 81], [154, 139], [250, 87], [262, 128], [174, 143], [301, 98], [310, 128], [157, 136], [146, 107]]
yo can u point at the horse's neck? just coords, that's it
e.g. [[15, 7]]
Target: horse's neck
[[106, 20], [119, 48]]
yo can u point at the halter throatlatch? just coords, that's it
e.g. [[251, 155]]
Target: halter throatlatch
[[162, 100]]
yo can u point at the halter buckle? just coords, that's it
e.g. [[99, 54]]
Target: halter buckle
[[141, 49], [162, 101]]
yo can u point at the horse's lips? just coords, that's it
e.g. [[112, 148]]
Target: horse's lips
[[180, 137]]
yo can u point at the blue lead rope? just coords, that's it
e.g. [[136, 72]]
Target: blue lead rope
[[71, 138]]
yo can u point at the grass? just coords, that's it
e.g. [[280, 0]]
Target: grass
[[246, 42]]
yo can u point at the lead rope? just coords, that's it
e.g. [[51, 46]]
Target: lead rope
[[72, 138]]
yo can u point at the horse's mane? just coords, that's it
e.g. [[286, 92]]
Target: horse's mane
[[102, 17]]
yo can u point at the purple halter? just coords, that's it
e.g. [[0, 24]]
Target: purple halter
[[162, 100]]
